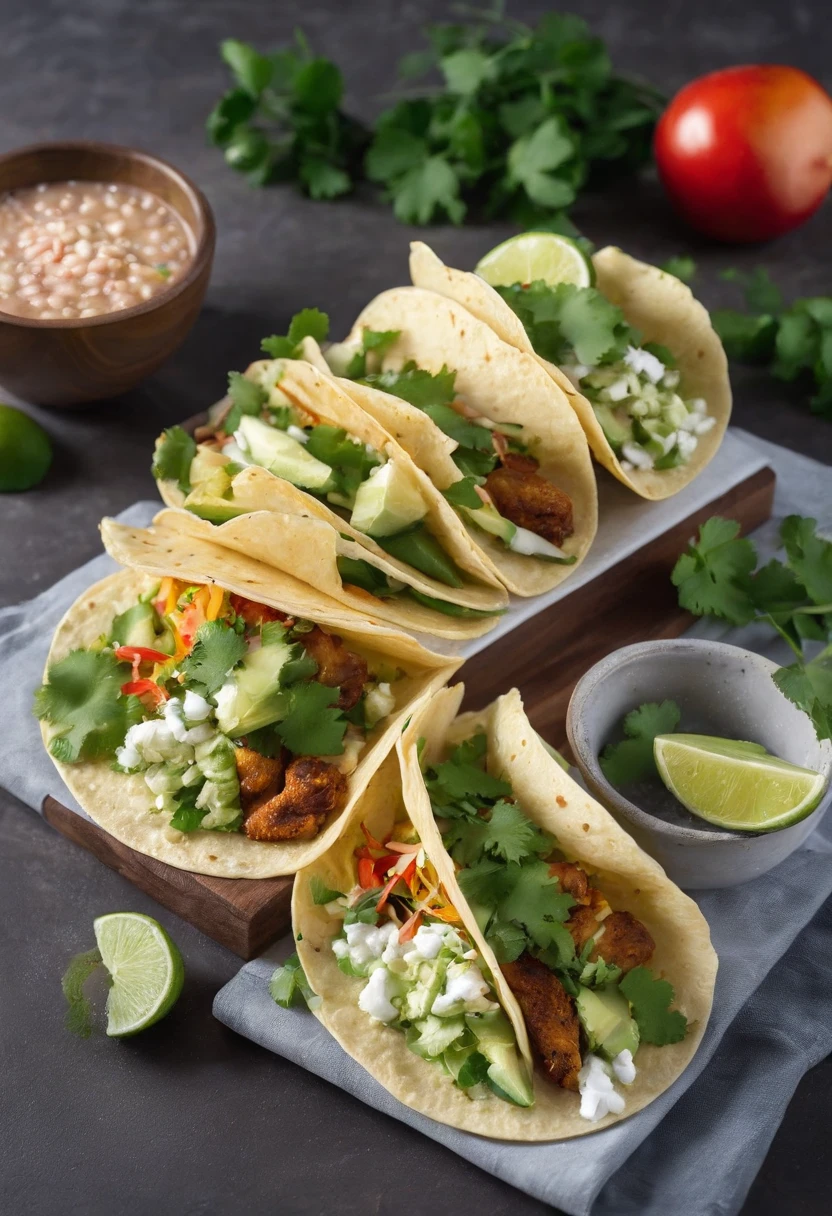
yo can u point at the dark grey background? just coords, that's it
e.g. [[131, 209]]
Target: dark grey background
[[189, 1119]]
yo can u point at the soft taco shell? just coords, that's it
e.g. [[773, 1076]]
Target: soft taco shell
[[658, 304], [502, 383], [587, 833], [118, 802], [319, 397], [303, 543]]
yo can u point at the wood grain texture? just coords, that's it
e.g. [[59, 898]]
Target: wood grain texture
[[631, 602], [65, 363]]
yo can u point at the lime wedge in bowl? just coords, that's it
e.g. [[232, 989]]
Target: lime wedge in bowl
[[536, 255], [145, 969], [736, 785]]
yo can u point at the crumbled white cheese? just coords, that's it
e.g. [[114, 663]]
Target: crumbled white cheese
[[637, 456], [698, 405], [624, 1068], [642, 361], [365, 942], [197, 709], [687, 444], [464, 984], [374, 997], [598, 1094], [704, 425], [427, 943]]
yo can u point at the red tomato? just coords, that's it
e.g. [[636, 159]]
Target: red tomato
[[746, 154]]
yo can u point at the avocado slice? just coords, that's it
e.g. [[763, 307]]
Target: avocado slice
[[282, 455], [496, 1041], [213, 507], [252, 697], [136, 627], [616, 433], [518, 540], [490, 520], [205, 465], [449, 609], [605, 1016], [420, 549], [387, 502]]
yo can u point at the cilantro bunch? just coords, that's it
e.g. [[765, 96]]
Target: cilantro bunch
[[719, 576], [567, 323], [522, 120], [283, 122]]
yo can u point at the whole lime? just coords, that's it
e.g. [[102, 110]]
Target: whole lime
[[25, 450]]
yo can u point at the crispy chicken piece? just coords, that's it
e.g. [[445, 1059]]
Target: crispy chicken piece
[[258, 774], [572, 879], [338, 667], [550, 1016], [529, 500], [582, 925], [314, 790], [625, 942]]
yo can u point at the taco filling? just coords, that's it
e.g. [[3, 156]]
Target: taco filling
[[422, 973], [238, 717], [577, 967], [501, 490], [634, 387], [259, 425]]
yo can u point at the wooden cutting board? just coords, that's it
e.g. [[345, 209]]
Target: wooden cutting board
[[632, 601]]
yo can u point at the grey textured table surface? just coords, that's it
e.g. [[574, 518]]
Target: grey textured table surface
[[190, 1119]]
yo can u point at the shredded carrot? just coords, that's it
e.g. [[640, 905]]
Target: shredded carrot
[[215, 598]]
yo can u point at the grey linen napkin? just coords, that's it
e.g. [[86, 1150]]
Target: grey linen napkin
[[772, 1016]]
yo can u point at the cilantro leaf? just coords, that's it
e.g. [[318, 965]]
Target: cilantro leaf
[[455, 780], [712, 575], [246, 398], [809, 686], [417, 386], [217, 649], [650, 1000], [484, 883], [534, 900], [567, 323], [632, 760], [599, 973], [363, 911], [320, 892], [78, 1018], [531, 159], [511, 835], [506, 940], [682, 267], [810, 556], [188, 816], [82, 699], [289, 986], [463, 494], [313, 727], [373, 341], [308, 323], [173, 456]]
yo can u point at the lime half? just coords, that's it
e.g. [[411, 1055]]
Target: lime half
[[145, 968], [536, 255], [736, 785], [25, 450]]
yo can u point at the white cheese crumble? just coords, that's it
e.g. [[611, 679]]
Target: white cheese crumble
[[374, 997], [599, 1096], [637, 457], [624, 1067], [643, 361], [464, 985]]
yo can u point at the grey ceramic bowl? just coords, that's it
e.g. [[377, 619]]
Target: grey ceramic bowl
[[722, 690]]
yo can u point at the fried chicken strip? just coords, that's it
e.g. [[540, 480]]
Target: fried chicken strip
[[338, 667], [314, 790], [572, 879], [550, 1016], [625, 942], [257, 774], [520, 494]]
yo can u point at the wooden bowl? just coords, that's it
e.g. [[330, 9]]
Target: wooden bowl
[[65, 363]]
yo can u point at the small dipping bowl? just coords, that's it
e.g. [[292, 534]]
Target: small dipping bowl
[[721, 690], [66, 362]]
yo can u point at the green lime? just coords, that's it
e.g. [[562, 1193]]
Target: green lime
[[145, 968], [536, 255], [25, 450], [736, 785]]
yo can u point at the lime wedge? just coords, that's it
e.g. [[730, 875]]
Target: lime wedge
[[25, 450], [736, 785], [536, 255], [145, 969]]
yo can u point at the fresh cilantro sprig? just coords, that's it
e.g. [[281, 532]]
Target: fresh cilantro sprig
[[283, 122], [650, 1000], [172, 460], [717, 576], [247, 397], [566, 322], [313, 726], [308, 323], [217, 649], [632, 759], [289, 986], [82, 700]]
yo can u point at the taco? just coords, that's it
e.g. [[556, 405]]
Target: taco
[[636, 355], [598, 958], [217, 714], [492, 431], [314, 452]]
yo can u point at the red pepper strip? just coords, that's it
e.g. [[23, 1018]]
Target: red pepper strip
[[383, 865], [363, 851], [143, 653], [403, 877], [408, 929], [366, 873], [145, 688], [371, 840]]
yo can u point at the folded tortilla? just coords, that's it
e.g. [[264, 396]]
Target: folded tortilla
[[503, 384], [317, 394], [121, 803], [656, 303]]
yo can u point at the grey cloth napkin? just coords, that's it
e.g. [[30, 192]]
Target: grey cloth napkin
[[697, 1148]]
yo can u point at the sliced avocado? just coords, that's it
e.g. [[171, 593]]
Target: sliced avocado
[[217, 484], [136, 627], [206, 463], [605, 1016], [449, 609], [358, 573], [420, 549], [518, 540], [252, 697], [387, 502], [419, 998], [282, 455], [507, 1070], [490, 520], [616, 433], [215, 509]]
